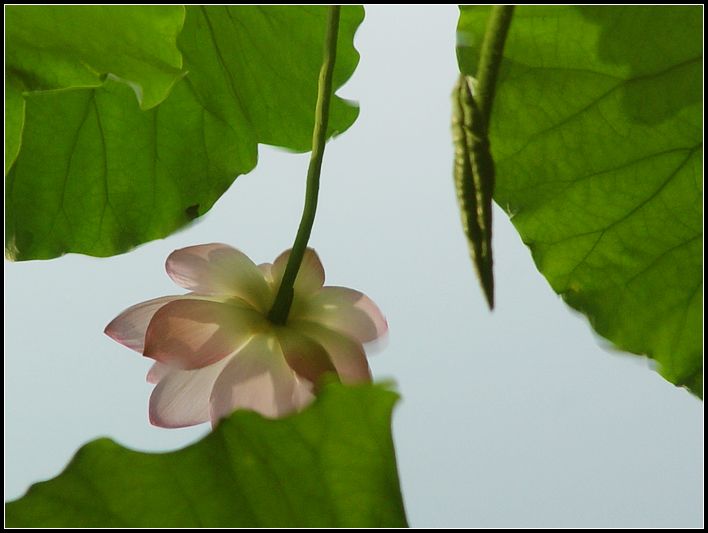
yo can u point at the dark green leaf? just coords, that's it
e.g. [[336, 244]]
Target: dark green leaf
[[98, 175], [597, 137], [332, 465]]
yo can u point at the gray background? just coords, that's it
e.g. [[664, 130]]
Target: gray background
[[522, 417]]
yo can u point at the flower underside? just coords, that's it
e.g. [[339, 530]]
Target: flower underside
[[216, 351]]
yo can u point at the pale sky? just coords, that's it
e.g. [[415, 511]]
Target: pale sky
[[521, 417]]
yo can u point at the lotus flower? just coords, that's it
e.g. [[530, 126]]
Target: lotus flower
[[216, 350]]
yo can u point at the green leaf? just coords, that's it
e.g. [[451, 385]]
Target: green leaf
[[14, 120], [597, 137], [260, 65], [98, 175], [332, 465], [60, 47]]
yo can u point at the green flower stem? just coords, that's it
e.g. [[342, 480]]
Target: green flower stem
[[284, 298], [490, 60]]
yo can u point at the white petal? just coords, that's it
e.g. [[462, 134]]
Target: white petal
[[310, 277], [219, 269], [190, 334], [304, 355], [302, 394], [346, 311], [181, 398], [267, 271], [346, 354], [256, 378]]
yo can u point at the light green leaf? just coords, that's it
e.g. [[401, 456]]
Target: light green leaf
[[60, 47], [14, 120], [259, 66], [118, 175], [332, 465], [97, 175], [597, 137]]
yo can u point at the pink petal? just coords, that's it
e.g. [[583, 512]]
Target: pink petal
[[181, 398], [129, 327], [345, 311], [157, 372], [256, 378], [219, 269], [310, 277], [347, 354], [305, 356], [189, 334]]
